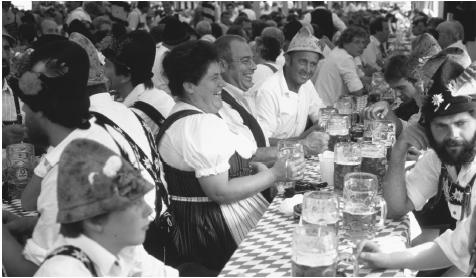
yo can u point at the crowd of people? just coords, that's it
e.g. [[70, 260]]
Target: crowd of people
[[157, 128]]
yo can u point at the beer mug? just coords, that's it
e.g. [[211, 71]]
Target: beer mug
[[361, 207], [291, 150], [384, 131], [347, 159], [345, 105], [338, 129], [19, 167], [374, 160], [320, 208], [314, 252], [324, 115]]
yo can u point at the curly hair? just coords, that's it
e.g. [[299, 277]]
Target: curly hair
[[350, 33]]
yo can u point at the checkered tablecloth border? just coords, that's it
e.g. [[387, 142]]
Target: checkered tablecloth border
[[266, 250]]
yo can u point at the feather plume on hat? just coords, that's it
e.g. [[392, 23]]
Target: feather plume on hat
[[465, 84]]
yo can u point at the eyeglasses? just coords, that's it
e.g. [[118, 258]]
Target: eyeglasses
[[247, 61]]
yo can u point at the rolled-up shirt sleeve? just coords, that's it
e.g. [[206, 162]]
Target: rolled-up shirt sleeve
[[455, 244], [422, 180], [348, 72]]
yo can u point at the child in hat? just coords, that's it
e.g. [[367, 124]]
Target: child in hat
[[102, 213]]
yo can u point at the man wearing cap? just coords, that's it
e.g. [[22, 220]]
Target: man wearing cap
[[129, 70], [448, 169], [12, 115], [56, 109], [174, 34], [286, 99]]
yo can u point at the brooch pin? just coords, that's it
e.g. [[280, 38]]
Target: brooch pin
[[437, 100]]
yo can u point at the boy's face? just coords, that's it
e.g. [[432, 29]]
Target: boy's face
[[128, 226]]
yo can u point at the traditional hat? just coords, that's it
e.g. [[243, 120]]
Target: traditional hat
[[55, 83], [174, 32], [454, 96], [93, 180], [96, 67], [434, 63], [304, 40]]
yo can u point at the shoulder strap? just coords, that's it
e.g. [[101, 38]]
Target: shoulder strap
[[151, 167], [172, 119], [271, 67], [14, 87], [76, 253], [150, 111], [248, 119]]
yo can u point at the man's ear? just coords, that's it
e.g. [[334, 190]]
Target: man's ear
[[92, 226], [125, 78], [223, 65], [188, 87]]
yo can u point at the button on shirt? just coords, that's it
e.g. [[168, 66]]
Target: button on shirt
[[132, 261], [422, 181], [337, 77], [372, 53], [46, 231], [282, 113], [160, 80], [161, 101]]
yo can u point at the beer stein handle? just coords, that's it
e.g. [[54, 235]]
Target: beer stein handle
[[349, 258], [380, 202]]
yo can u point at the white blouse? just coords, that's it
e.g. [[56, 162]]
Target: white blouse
[[202, 143]]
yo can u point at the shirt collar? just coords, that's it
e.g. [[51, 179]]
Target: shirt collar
[[134, 95], [283, 85], [102, 258], [101, 98], [458, 44], [235, 92], [180, 105]]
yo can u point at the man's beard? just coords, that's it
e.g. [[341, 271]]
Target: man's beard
[[466, 154]]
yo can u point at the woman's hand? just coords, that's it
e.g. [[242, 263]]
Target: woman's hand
[[287, 169]]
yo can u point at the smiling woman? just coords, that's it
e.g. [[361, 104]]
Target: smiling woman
[[214, 189]]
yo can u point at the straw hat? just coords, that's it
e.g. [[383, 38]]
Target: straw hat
[[304, 40]]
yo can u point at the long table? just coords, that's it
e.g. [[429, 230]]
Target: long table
[[266, 250]]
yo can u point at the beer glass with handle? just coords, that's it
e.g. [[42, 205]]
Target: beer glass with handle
[[291, 150], [361, 207], [315, 253], [320, 208]]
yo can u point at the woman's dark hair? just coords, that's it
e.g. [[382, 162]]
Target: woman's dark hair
[[257, 27], [396, 68], [268, 48], [188, 62], [350, 33], [75, 229], [216, 30]]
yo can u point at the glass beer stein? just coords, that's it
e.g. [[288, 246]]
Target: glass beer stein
[[374, 160], [338, 129], [324, 115], [347, 159], [314, 252], [320, 208], [362, 206], [291, 150]]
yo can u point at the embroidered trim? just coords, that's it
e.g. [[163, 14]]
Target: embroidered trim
[[190, 199]]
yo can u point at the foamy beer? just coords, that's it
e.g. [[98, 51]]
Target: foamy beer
[[362, 206], [314, 252], [347, 159], [320, 208], [374, 160], [338, 129]]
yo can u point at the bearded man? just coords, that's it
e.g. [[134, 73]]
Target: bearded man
[[448, 169]]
